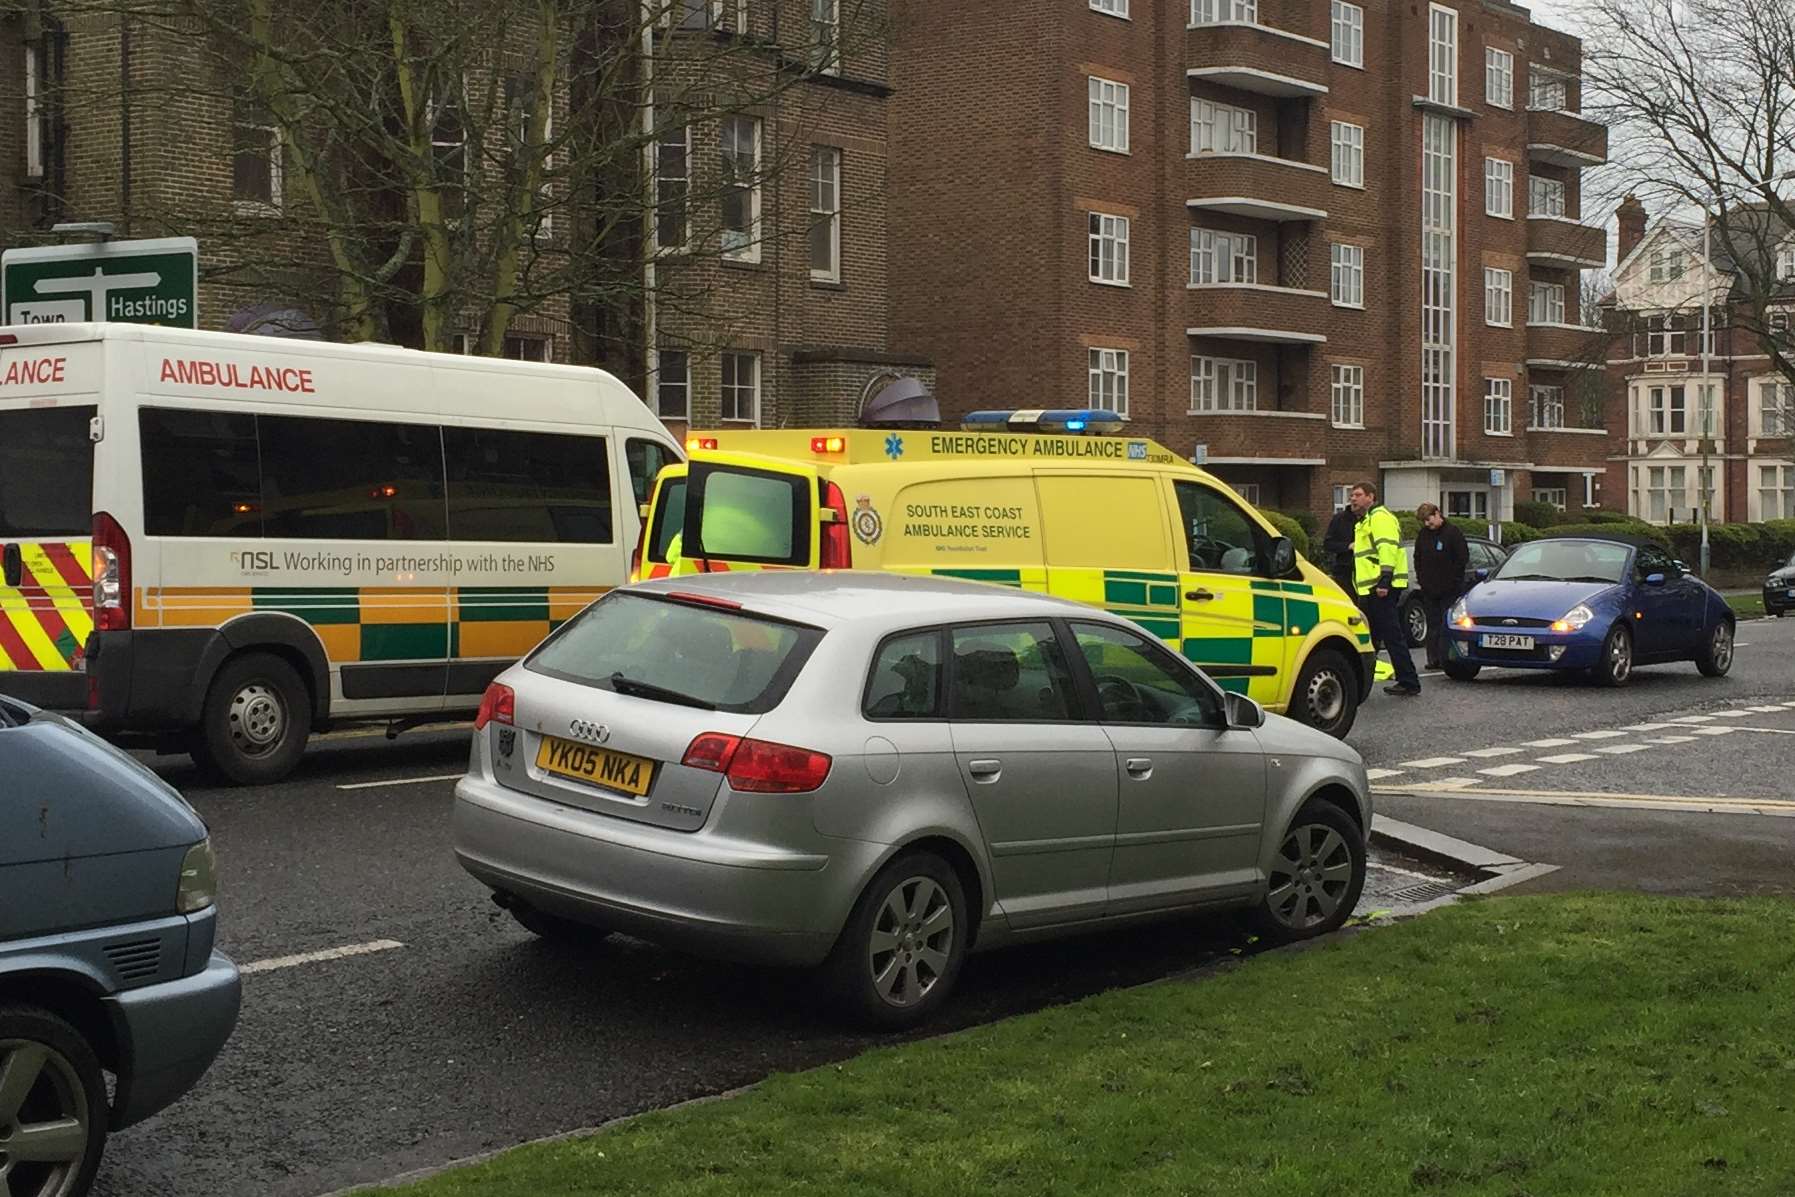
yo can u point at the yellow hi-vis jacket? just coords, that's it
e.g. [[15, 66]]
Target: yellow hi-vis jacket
[[1377, 550]]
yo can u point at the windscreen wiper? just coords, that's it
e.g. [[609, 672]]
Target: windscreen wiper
[[640, 689]]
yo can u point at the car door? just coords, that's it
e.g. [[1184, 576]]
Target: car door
[[1040, 775], [1192, 790], [1234, 612], [1661, 625]]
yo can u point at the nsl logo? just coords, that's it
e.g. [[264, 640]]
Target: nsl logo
[[253, 559]]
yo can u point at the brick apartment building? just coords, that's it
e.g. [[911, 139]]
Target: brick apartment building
[[770, 253], [1672, 421], [1311, 242]]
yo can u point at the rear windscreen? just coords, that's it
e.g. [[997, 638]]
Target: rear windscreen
[[714, 657], [46, 472], [748, 515]]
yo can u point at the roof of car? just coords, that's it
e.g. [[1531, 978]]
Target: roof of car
[[851, 596]]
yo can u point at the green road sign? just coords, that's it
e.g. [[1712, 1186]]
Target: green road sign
[[130, 282]]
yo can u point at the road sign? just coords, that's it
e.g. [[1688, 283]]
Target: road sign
[[130, 282], [1498, 477], [1201, 456]]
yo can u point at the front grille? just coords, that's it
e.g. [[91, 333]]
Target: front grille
[[136, 960], [1502, 623]]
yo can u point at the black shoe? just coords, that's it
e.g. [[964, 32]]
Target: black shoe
[[1401, 691]]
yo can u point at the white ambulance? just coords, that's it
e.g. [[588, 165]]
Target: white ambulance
[[221, 544]]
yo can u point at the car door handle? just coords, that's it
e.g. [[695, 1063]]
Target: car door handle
[[1139, 767], [1199, 596], [985, 771]]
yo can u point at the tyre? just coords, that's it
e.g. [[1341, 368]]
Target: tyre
[[1316, 876], [1414, 621], [1461, 671], [1616, 665], [1715, 656], [900, 953], [53, 1106], [1327, 694], [554, 928], [255, 721]]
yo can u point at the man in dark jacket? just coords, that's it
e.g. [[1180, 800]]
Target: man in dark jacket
[[1337, 544], [1441, 557]]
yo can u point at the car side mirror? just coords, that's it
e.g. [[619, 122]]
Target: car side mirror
[[1243, 712], [1482, 575], [1654, 579], [1283, 557]]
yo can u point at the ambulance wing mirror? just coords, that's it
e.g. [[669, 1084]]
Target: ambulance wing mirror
[[1283, 557]]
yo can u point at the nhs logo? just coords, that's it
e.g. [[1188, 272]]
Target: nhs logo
[[1137, 450]]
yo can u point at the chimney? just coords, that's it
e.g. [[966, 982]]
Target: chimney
[[1631, 217]]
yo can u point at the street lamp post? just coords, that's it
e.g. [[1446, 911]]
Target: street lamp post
[[1707, 403]]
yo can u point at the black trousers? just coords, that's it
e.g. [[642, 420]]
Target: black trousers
[[1386, 630], [1437, 605]]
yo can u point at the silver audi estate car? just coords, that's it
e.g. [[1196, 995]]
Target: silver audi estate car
[[876, 774]]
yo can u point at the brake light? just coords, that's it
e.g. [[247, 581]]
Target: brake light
[[828, 444], [111, 575], [497, 705], [758, 766], [835, 552], [703, 600]]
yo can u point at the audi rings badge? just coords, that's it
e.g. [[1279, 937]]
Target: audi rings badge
[[588, 731]]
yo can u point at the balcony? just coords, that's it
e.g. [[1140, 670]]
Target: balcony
[[1565, 244], [1257, 58], [1565, 139], [1257, 187], [1565, 346], [1253, 312]]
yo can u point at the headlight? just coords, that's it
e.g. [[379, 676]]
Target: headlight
[[199, 878], [1574, 619], [1459, 614]]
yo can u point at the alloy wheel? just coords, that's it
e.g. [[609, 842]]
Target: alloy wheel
[[1310, 876], [911, 942], [45, 1121], [1417, 622], [1723, 647], [1620, 657]]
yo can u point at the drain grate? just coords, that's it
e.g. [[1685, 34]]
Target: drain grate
[[1427, 891]]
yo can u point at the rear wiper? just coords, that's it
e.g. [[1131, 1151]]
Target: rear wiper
[[641, 689]]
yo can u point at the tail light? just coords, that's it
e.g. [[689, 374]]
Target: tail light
[[497, 705], [758, 766], [836, 552], [111, 575]]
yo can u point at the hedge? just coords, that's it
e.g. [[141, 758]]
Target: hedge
[[1734, 546], [1287, 526], [1538, 515]]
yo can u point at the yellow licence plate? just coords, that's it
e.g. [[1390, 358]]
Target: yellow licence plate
[[595, 766]]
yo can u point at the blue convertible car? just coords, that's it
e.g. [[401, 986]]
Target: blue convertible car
[[1602, 604]]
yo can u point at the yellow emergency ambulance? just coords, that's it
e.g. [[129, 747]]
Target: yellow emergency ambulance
[[1042, 500]]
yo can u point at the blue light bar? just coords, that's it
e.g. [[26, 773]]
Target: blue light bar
[[1093, 420]]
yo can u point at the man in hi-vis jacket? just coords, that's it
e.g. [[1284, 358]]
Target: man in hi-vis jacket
[[1380, 575]]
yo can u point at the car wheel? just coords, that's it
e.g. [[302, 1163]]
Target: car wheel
[[556, 929], [1414, 622], [1616, 665], [53, 1106], [1461, 671], [1716, 655], [901, 950], [255, 721], [1327, 694], [1316, 875]]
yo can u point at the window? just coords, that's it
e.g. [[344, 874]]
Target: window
[[1217, 533], [1342, 496], [1548, 406], [1109, 115], [749, 514], [825, 213], [694, 14], [1545, 93], [1109, 380], [1498, 297], [1499, 188], [1348, 276], [1349, 154], [35, 109], [351, 479], [1014, 673], [1667, 263], [1223, 257], [1210, 12], [1109, 248], [1667, 411], [1222, 129], [1498, 406], [1776, 492], [521, 348], [201, 473], [1545, 303], [1785, 263], [741, 187], [1467, 504], [673, 385], [825, 35], [1498, 77], [1442, 55], [905, 682], [1545, 197], [741, 388], [645, 460], [1439, 282], [1138, 681], [1666, 487], [255, 155], [1248, 491], [448, 150], [1348, 40], [1552, 496], [1664, 336], [527, 486], [1115, 8], [529, 151], [1348, 394], [1223, 384], [672, 187], [1775, 408]]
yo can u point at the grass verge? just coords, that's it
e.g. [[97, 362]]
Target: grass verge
[[1587, 1045], [1746, 606]]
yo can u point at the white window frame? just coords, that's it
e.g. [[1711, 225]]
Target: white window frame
[[824, 25], [1112, 8], [1342, 496], [1659, 415], [1218, 12], [1667, 263], [1439, 286], [1108, 259], [662, 178], [1442, 54], [1498, 78], [36, 152], [736, 391], [1545, 197], [1347, 159], [1776, 501], [1546, 92], [1346, 276], [1108, 114], [826, 208], [1498, 297], [1667, 485], [1108, 370], [1219, 385], [276, 165], [1773, 407], [1498, 407], [433, 111], [1554, 496], [682, 384], [1347, 34], [748, 250], [1223, 258], [1499, 188], [1346, 393], [1785, 262], [1545, 406], [1545, 303], [1222, 128], [674, 15], [1476, 506], [1248, 491]]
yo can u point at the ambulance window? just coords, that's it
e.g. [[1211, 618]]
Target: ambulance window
[[645, 460], [46, 472], [1220, 536], [351, 479], [669, 519], [527, 486], [748, 515], [201, 473]]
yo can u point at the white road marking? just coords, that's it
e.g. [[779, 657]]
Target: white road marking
[[1508, 770], [1600, 735], [401, 781], [1713, 731], [354, 949], [1433, 762], [1639, 727], [1448, 783], [1734, 714], [1380, 774], [1549, 743], [1596, 798], [1568, 758], [1490, 752], [1774, 731], [1770, 709], [1693, 719], [1671, 740], [1622, 749]]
